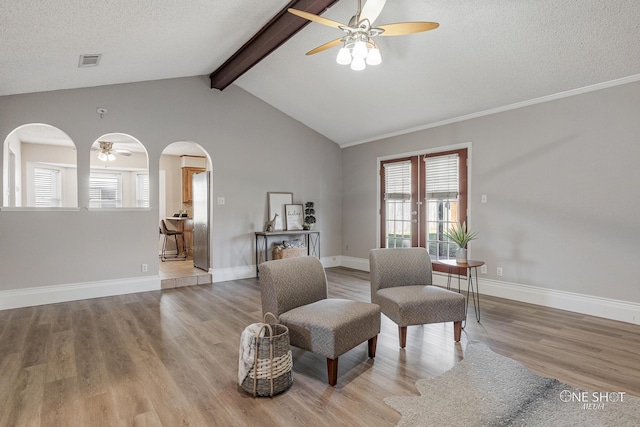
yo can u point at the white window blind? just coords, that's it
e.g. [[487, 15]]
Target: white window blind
[[142, 190], [397, 181], [105, 191], [47, 185], [442, 177]]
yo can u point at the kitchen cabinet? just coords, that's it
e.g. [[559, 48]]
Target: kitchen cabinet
[[187, 174]]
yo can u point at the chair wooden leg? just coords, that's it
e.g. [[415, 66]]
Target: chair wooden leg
[[372, 346], [332, 370], [457, 330], [402, 333]]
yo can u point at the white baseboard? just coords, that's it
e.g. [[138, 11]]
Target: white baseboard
[[232, 273], [580, 303], [248, 271], [16, 298], [355, 263], [586, 304], [607, 308]]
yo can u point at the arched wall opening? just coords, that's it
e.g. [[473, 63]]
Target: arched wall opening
[[119, 172], [184, 206], [40, 168]]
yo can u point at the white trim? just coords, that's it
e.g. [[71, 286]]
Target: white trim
[[515, 106], [355, 263], [248, 271], [607, 308], [16, 298], [586, 304], [232, 273], [34, 209]]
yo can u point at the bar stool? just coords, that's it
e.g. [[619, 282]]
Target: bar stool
[[167, 234]]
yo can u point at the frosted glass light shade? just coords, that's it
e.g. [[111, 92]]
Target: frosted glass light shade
[[359, 50], [358, 64], [344, 56], [374, 57]]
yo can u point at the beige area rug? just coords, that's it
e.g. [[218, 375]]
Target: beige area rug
[[486, 389]]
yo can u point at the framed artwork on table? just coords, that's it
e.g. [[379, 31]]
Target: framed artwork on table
[[276, 205], [294, 217]]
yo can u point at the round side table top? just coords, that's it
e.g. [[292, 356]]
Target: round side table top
[[471, 263]]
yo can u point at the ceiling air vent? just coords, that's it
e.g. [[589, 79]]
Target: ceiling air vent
[[89, 60]]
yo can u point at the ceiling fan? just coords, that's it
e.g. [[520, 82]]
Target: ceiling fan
[[358, 46], [107, 153]]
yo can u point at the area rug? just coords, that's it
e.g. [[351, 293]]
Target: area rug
[[486, 389]]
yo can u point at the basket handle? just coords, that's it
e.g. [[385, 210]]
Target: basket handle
[[268, 313], [255, 360]]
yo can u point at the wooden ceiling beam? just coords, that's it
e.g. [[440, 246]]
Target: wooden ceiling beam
[[270, 37]]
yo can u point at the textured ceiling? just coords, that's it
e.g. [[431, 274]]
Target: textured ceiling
[[485, 55]]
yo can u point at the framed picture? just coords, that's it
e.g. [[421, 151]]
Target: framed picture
[[294, 216], [276, 202]]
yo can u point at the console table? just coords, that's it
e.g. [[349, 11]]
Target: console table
[[470, 265], [311, 237]]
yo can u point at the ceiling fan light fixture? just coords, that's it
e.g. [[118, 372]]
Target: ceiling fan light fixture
[[106, 152], [374, 57], [344, 56], [358, 64], [360, 50]]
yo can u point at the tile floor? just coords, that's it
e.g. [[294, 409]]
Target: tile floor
[[176, 274]]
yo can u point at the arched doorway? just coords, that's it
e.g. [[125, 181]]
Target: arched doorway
[[180, 208]]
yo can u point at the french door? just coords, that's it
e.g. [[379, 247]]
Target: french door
[[422, 197]]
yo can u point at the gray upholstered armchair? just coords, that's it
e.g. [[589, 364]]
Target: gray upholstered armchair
[[401, 284], [295, 290]]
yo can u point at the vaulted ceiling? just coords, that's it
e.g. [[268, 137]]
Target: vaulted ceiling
[[486, 55]]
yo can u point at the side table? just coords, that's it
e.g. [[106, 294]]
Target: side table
[[312, 242], [471, 266]]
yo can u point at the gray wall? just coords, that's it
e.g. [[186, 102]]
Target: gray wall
[[562, 180], [254, 149]]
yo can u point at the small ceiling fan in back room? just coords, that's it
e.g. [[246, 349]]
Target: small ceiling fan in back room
[[358, 45], [107, 153]]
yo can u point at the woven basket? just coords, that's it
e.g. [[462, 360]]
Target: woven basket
[[271, 372], [289, 252]]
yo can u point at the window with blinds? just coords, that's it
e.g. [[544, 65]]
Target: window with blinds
[[421, 197], [397, 200], [442, 190], [142, 190], [47, 187], [105, 190]]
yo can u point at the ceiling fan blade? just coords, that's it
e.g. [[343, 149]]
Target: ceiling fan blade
[[126, 153], [325, 46], [371, 10], [316, 18], [402, 28]]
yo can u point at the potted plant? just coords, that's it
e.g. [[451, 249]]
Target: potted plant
[[461, 235], [309, 216]]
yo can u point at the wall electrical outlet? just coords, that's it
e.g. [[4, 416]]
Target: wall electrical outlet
[[144, 268], [221, 201], [483, 269], [484, 198], [499, 272]]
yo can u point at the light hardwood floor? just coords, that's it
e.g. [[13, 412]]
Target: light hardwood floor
[[170, 358]]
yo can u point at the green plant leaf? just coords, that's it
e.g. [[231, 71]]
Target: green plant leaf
[[460, 234]]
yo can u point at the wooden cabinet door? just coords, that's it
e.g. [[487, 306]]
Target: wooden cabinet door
[[187, 174]]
